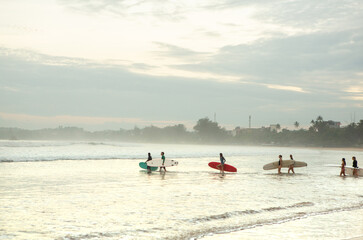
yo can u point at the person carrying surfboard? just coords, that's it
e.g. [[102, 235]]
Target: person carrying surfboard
[[291, 167], [355, 166], [280, 165], [342, 171], [163, 158], [149, 158], [221, 166]]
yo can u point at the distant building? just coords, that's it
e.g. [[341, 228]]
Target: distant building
[[241, 131], [236, 131], [332, 124]]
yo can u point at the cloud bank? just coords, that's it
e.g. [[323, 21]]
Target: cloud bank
[[150, 62]]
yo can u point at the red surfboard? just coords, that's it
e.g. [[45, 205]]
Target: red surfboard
[[227, 168]]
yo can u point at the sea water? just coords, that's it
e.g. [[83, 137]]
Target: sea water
[[96, 190]]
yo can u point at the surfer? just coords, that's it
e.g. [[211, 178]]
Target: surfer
[[221, 166], [280, 165], [342, 171], [163, 158], [149, 158], [291, 167], [355, 166]]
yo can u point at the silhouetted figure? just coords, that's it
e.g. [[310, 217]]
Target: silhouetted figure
[[291, 167], [149, 158], [280, 165], [163, 158], [221, 166], [342, 170], [355, 166]]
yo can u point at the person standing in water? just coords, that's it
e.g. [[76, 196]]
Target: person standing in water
[[149, 158], [221, 166], [355, 166], [291, 167], [280, 165], [342, 171], [163, 158]]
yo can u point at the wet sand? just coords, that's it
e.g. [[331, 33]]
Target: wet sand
[[315, 227]]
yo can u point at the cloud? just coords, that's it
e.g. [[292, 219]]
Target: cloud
[[311, 63], [316, 14], [178, 61], [287, 88], [169, 10], [178, 52], [354, 98], [16, 29], [36, 57], [44, 121], [355, 89], [10, 89], [105, 97], [298, 14]]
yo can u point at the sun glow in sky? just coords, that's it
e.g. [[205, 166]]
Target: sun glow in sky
[[202, 57]]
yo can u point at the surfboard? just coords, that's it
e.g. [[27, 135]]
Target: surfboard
[[143, 165], [227, 168], [348, 169], [285, 164], [159, 163]]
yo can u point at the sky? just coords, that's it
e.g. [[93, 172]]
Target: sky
[[107, 64]]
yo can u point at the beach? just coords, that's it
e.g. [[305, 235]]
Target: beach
[[96, 190], [314, 227]]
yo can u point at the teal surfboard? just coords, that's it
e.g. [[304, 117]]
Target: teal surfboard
[[144, 166]]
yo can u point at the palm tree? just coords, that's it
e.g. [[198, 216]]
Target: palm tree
[[319, 125], [296, 124]]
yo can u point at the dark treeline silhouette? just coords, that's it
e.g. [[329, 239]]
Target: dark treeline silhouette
[[320, 134]]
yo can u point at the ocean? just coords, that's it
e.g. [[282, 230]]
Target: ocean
[[70, 190]]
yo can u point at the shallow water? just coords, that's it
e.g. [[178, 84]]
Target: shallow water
[[99, 192]]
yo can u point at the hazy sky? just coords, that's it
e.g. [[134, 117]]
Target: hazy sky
[[107, 64]]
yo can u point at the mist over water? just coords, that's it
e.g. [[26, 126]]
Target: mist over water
[[100, 192], [321, 133]]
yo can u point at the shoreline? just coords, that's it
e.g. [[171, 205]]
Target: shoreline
[[309, 224], [359, 149], [326, 148]]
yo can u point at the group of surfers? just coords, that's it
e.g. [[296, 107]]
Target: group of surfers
[[355, 167], [342, 172], [291, 167], [149, 158]]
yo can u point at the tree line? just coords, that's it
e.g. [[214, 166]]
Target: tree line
[[319, 134]]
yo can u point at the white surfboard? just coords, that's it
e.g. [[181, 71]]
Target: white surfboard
[[159, 163], [285, 164], [348, 169]]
